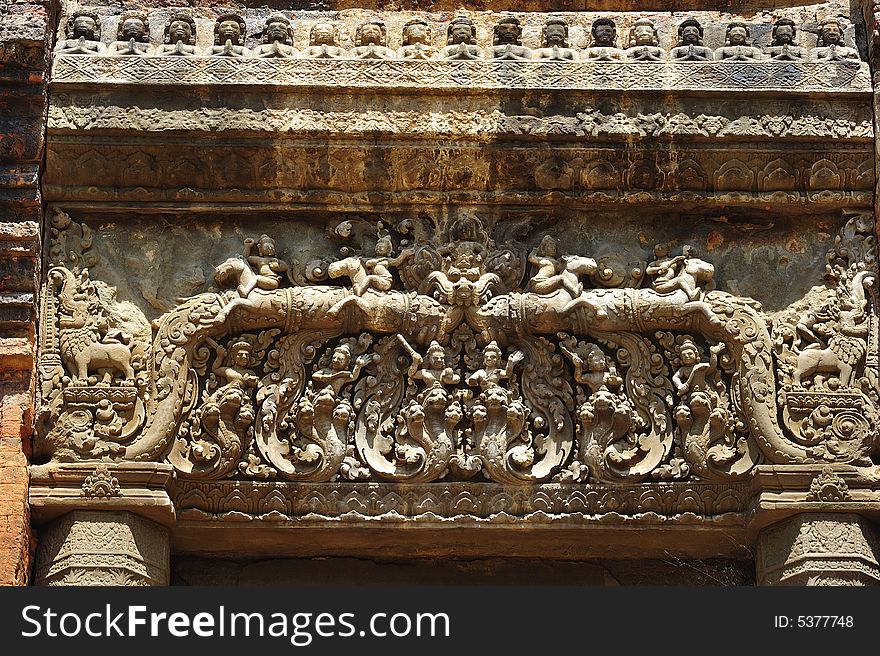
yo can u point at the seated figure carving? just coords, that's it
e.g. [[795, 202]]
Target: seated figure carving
[[461, 40], [829, 46], [554, 42], [508, 40], [83, 35], [229, 35], [784, 47], [738, 45], [324, 42], [644, 42], [277, 38], [180, 37], [132, 36], [690, 43], [416, 41], [604, 48], [372, 42]]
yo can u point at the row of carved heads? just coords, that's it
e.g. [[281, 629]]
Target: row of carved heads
[[132, 38]]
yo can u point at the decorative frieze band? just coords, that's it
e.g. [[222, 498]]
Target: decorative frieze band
[[797, 76]]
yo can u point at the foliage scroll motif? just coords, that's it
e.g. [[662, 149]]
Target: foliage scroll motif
[[450, 350]]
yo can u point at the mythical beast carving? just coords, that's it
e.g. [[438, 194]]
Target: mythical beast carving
[[449, 352]]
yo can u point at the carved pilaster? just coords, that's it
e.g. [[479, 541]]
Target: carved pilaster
[[819, 549], [102, 548]]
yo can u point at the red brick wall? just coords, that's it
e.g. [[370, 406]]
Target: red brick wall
[[24, 51]]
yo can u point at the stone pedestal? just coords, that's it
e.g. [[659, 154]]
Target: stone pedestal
[[87, 547], [819, 549]]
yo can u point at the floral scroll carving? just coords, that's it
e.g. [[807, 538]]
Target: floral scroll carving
[[452, 349]]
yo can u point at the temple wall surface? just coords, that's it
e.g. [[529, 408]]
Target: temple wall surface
[[408, 307]]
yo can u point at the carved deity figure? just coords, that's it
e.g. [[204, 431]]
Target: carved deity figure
[[324, 42], [330, 380], [561, 275], [507, 42], [738, 45], [690, 377], [366, 274], [829, 46], [180, 36], [644, 42], [604, 48], [132, 36], [461, 40], [690, 43], [687, 275], [234, 366], [492, 373], [592, 368], [277, 38], [252, 271], [784, 47], [372, 42], [266, 265], [83, 35], [416, 41], [432, 370], [554, 42], [229, 36]]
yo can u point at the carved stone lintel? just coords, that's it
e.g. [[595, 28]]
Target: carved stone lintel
[[87, 548], [819, 549]]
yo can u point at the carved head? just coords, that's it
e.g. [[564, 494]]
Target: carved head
[[278, 28], [688, 351], [240, 353], [491, 354], [643, 33], [341, 357], [508, 31], [85, 25], [461, 30], [323, 34], [436, 355], [554, 33], [384, 246], [180, 27], [690, 33], [229, 27], [595, 359], [830, 33], [738, 34], [266, 246], [133, 25], [604, 32], [371, 32], [548, 247], [784, 32], [416, 31]]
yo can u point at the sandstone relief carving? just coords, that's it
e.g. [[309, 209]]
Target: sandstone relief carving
[[229, 35], [370, 40], [457, 349], [83, 35], [133, 37], [179, 36], [277, 38]]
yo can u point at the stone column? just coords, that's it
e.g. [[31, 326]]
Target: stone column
[[819, 549], [102, 547]]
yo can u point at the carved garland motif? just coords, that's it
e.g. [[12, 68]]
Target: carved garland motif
[[442, 351]]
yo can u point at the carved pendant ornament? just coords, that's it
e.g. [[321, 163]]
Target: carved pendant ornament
[[442, 350]]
